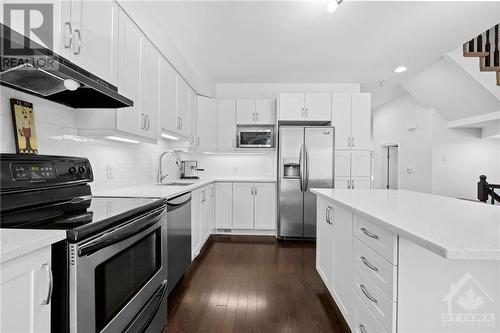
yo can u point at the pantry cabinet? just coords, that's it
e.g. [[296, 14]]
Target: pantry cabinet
[[305, 107], [255, 112], [223, 205], [254, 206], [352, 169], [206, 124], [89, 36], [25, 292], [227, 125], [351, 116]]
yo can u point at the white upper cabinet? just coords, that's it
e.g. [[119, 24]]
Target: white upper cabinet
[[260, 111], [89, 36], [168, 98], [291, 106], [305, 107], [351, 116], [182, 107], [227, 125], [206, 123], [192, 143], [129, 78], [361, 121], [318, 107], [150, 94]]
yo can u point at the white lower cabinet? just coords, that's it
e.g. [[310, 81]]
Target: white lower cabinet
[[25, 292], [254, 206], [324, 243], [196, 202], [223, 205], [202, 217]]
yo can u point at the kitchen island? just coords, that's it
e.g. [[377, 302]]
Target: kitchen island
[[402, 261]]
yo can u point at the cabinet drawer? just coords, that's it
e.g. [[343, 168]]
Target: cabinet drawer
[[377, 269], [379, 305], [376, 238], [363, 320]]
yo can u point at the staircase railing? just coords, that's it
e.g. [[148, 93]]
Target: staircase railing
[[485, 190], [486, 47]]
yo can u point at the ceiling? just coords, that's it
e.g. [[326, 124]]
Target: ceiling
[[298, 41]]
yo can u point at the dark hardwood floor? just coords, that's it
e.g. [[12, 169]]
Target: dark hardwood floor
[[253, 284]]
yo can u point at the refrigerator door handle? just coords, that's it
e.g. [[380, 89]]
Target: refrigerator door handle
[[306, 168], [301, 168]]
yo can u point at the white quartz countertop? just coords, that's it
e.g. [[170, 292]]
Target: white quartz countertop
[[451, 228], [166, 191], [18, 242]]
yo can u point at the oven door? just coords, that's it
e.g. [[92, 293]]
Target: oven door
[[115, 275], [255, 138]]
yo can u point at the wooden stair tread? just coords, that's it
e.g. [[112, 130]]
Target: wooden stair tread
[[498, 78], [490, 69], [476, 54]]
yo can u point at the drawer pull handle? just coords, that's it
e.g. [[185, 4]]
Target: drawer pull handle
[[367, 294], [368, 264], [362, 328], [369, 234], [47, 268]]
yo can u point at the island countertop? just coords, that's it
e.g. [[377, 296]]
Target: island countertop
[[451, 228]]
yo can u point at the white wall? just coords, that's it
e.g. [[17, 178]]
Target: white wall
[[444, 161]]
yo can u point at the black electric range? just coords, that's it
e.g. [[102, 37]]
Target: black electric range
[[107, 237]]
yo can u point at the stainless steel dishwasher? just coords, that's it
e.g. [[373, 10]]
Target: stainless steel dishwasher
[[178, 238]]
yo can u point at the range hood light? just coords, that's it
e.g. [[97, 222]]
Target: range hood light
[[120, 139], [169, 137], [71, 84]]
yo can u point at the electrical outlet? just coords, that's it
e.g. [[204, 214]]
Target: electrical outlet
[[110, 171]]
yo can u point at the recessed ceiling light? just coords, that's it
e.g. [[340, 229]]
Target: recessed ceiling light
[[332, 5], [400, 69]]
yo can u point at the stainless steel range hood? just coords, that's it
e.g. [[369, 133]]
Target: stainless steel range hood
[[41, 72]]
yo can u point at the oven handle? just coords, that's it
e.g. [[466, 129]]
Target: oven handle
[[122, 232]]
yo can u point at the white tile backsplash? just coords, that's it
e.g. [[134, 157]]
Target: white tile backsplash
[[131, 164]]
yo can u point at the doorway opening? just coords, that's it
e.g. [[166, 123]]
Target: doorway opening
[[391, 167]]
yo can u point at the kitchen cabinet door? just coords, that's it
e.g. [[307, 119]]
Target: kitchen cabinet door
[[318, 106], [150, 95], [205, 219], [206, 123], [168, 97], [361, 121], [211, 210], [192, 120], [129, 80], [24, 286], [342, 276], [361, 183], [341, 182], [291, 106], [227, 125], [245, 111], [243, 206], [265, 112], [341, 119], [95, 37], [196, 217], [265, 206], [360, 163], [342, 163], [324, 243], [223, 205], [182, 93]]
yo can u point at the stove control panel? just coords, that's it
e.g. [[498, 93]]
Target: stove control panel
[[18, 171]]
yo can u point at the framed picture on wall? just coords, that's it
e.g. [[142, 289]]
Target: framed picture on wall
[[23, 119]]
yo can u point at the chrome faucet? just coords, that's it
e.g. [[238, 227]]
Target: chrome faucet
[[160, 164]]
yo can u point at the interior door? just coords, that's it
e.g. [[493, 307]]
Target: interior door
[[341, 119], [243, 206], [319, 143], [291, 106], [318, 106], [291, 198], [361, 121]]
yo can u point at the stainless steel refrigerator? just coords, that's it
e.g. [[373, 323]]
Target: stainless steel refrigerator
[[306, 160]]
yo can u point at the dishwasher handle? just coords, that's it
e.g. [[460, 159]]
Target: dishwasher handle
[[178, 202]]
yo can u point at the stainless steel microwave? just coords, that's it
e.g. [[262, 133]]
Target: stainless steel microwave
[[255, 137]]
